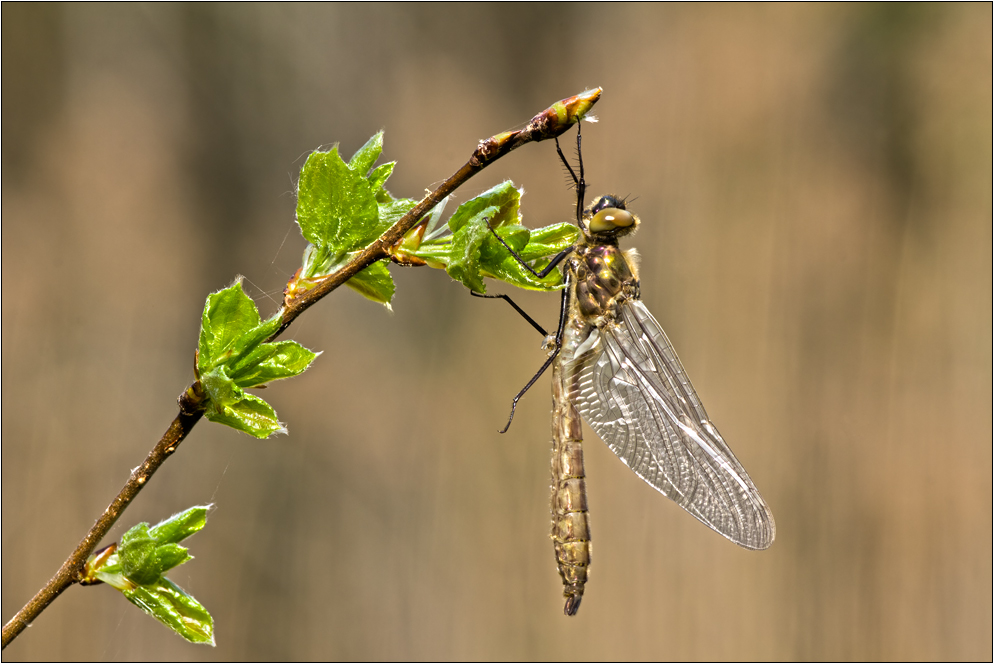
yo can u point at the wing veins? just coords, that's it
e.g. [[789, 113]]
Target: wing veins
[[634, 392]]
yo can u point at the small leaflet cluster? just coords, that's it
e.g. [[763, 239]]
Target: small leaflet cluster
[[341, 209], [233, 355], [136, 567]]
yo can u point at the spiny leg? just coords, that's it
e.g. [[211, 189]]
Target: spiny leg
[[579, 182]]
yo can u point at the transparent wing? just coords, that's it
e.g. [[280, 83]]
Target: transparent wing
[[632, 390]]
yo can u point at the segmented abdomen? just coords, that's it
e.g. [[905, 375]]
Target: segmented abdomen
[[570, 520]]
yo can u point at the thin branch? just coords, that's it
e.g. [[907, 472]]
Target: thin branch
[[548, 124]]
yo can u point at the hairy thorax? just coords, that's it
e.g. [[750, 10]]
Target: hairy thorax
[[604, 279]]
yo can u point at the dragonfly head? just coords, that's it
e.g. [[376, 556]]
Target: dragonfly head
[[608, 217]]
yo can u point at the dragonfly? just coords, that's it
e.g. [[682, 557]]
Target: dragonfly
[[614, 367]]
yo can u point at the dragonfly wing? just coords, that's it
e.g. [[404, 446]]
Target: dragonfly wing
[[633, 391]]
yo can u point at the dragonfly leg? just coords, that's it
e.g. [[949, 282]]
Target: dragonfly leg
[[517, 397], [578, 182], [557, 344], [566, 163], [516, 308], [556, 260]]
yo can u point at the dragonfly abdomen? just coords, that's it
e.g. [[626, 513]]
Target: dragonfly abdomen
[[570, 520]]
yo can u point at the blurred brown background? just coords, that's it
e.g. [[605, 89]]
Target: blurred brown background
[[815, 187]]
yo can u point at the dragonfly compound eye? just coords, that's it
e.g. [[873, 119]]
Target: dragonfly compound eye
[[611, 219]]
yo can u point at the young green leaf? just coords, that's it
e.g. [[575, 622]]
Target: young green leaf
[[147, 553], [378, 180], [143, 559], [498, 263], [136, 568], [341, 210], [514, 235], [366, 156], [510, 271], [230, 326], [233, 355], [180, 526], [245, 412], [472, 252], [175, 608], [393, 210], [505, 198], [336, 206], [464, 253], [374, 283], [137, 555], [272, 361], [549, 241]]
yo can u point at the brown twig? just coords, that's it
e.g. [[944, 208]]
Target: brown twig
[[548, 124]]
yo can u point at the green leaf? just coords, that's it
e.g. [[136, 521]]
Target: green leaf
[[392, 211], [137, 555], [504, 197], [143, 559], [366, 156], [168, 556], [378, 178], [435, 251], [472, 252], [173, 607], [114, 577], [180, 526], [464, 254], [336, 206], [248, 413], [497, 262], [512, 272], [229, 315], [256, 336], [374, 283], [316, 262], [435, 217], [549, 241], [220, 388], [515, 235], [272, 361]]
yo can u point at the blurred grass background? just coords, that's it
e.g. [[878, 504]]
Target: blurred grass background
[[815, 188]]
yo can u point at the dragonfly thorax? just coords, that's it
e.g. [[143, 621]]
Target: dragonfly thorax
[[604, 279]]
